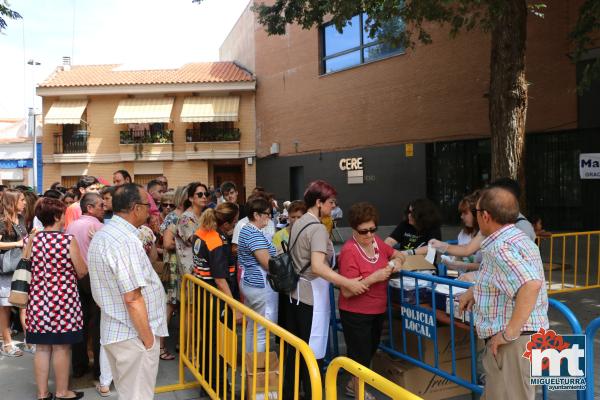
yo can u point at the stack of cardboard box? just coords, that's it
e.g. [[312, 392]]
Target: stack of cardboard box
[[419, 381], [263, 377]]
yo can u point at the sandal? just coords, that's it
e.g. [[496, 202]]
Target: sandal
[[165, 355], [13, 352], [29, 348], [103, 391]]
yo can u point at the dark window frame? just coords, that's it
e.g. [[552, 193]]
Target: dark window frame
[[360, 48]]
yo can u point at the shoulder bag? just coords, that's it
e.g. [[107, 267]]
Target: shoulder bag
[[9, 259], [282, 275], [19, 287]]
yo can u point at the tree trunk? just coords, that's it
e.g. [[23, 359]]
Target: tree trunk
[[508, 90]]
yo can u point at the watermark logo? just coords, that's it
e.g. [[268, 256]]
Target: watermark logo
[[557, 361]]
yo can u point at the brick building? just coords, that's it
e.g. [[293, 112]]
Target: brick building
[[415, 120], [195, 122]]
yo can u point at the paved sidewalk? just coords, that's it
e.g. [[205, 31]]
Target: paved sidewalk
[[17, 380]]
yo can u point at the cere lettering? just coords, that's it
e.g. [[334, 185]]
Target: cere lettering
[[418, 320]]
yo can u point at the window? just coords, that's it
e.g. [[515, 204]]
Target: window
[[354, 46]]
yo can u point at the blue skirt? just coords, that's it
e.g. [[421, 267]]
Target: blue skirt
[[54, 338]]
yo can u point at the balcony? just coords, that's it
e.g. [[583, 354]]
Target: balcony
[[212, 135], [76, 143], [146, 145], [214, 143], [146, 136]]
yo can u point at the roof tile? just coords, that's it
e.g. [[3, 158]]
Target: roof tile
[[111, 75]]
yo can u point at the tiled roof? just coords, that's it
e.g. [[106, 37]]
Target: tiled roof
[[116, 75]]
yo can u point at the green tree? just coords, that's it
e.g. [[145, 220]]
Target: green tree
[[505, 20], [6, 12], [584, 37]]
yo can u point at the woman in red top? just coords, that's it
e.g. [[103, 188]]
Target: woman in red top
[[365, 255]]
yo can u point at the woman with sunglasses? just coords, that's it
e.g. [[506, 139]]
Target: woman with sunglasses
[[188, 224], [365, 256], [174, 203]]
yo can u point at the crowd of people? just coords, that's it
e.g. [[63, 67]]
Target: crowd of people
[[108, 261]]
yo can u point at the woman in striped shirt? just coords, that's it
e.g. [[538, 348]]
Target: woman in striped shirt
[[254, 252]]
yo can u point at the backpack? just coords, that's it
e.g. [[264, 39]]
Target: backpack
[[282, 275]]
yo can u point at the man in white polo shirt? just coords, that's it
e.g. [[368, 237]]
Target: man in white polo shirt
[[130, 296]]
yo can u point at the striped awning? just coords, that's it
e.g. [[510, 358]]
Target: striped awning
[[210, 109], [142, 111], [65, 112]]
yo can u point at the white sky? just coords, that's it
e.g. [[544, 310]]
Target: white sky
[[134, 32]]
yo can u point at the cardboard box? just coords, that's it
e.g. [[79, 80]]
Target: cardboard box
[[462, 346], [262, 375], [417, 263], [420, 382]]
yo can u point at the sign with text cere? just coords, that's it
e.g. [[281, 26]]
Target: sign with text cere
[[354, 169], [589, 166]]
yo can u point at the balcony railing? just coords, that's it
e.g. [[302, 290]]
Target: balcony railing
[[213, 135], [145, 136], [77, 143]]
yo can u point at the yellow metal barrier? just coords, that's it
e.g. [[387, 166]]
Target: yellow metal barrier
[[364, 375], [571, 260], [211, 326]]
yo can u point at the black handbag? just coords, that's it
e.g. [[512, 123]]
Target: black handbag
[[282, 275]]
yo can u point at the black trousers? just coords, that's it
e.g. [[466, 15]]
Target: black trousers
[[298, 318], [91, 313], [210, 344], [362, 333]]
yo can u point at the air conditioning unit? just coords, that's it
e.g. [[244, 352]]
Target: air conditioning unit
[[275, 148]]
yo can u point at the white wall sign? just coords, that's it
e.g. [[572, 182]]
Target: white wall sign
[[589, 166], [354, 168]]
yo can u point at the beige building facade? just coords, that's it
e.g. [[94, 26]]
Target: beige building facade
[[194, 123]]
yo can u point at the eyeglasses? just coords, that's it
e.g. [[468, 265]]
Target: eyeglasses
[[365, 231], [202, 194], [168, 205]]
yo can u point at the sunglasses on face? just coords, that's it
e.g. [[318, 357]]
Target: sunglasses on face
[[168, 205], [365, 231], [202, 194]]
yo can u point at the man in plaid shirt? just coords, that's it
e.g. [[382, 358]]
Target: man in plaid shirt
[[509, 298]]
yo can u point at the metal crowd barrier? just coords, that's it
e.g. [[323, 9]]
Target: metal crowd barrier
[[213, 328], [364, 375], [571, 260], [590, 332], [416, 309], [416, 303]]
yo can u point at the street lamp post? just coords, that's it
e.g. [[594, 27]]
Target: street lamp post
[[33, 121]]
